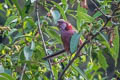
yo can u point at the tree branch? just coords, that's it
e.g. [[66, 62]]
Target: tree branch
[[24, 67], [54, 54], [87, 41], [41, 34], [80, 48], [23, 70]]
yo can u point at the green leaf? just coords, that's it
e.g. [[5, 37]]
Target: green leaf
[[64, 2], [115, 46], [65, 5], [20, 36], [27, 52], [82, 16], [56, 15], [30, 20], [61, 10], [102, 60], [8, 3], [90, 52], [53, 35], [114, 51], [32, 45], [1, 47], [18, 7], [78, 17], [1, 69], [1, 7], [55, 72], [80, 72], [97, 14], [74, 42], [10, 20], [12, 31], [104, 36], [4, 76], [85, 17]]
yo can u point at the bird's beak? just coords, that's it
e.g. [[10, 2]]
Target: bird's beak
[[60, 21], [61, 24]]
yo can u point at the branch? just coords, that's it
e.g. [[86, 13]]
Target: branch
[[54, 54], [98, 8], [87, 41], [24, 67], [80, 48], [23, 70], [41, 34], [77, 54], [2, 56]]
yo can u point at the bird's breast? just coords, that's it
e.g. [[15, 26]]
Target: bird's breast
[[66, 37]]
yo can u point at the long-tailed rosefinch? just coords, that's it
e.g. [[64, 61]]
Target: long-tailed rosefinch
[[66, 31]]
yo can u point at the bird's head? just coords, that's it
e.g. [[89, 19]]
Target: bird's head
[[64, 25]]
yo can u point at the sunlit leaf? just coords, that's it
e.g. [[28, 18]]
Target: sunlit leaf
[[65, 5], [55, 72], [20, 37], [31, 21], [4, 76], [10, 20]]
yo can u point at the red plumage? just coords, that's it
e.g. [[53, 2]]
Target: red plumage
[[66, 36], [66, 31]]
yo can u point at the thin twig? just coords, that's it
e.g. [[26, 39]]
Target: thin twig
[[41, 34], [23, 70], [24, 67], [2, 56], [98, 8]]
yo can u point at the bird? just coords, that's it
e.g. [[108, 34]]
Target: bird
[[66, 31]]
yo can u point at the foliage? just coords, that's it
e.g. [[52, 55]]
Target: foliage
[[22, 43]]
